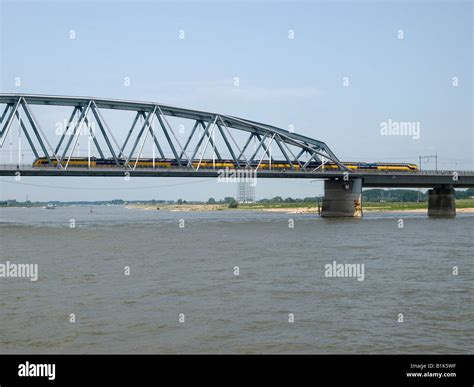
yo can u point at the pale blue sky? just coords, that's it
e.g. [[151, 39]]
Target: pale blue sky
[[282, 81]]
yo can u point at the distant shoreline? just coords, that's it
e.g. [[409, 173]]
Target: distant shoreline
[[280, 209]]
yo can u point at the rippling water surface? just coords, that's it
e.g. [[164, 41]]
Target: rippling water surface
[[190, 271]]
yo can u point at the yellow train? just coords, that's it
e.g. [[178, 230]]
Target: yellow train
[[95, 162], [378, 166]]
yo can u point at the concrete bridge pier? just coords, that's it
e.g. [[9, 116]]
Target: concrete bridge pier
[[342, 198], [441, 202]]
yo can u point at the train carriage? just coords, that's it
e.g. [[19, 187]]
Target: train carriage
[[94, 162]]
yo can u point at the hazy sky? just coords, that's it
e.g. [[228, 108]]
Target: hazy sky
[[345, 72]]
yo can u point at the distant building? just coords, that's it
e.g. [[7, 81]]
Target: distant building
[[245, 192]]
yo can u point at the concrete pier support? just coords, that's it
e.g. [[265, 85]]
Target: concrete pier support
[[441, 202], [342, 198]]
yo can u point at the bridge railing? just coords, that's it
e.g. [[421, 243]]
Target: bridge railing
[[29, 167], [424, 172]]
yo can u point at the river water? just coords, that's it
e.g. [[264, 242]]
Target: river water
[[232, 282]]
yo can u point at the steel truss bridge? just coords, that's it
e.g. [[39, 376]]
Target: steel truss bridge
[[155, 123], [188, 138]]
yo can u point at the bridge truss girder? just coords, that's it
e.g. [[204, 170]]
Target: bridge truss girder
[[152, 120]]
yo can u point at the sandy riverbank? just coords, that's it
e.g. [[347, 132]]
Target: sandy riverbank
[[179, 207], [416, 210], [315, 210], [288, 210]]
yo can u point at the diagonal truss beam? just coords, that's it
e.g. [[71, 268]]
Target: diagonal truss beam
[[206, 129], [245, 146], [196, 124], [27, 135], [8, 123], [277, 140], [265, 147], [104, 133], [5, 111], [168, 138], [174, 135], [155, 140], [212, 142], [74, 133], [236, 161], [137, 140], [135, 120], [225, 125], [65, 130]]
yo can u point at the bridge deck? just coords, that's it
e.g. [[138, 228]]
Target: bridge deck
[[458, 179]]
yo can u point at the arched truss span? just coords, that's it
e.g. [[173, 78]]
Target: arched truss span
[[226, 137]]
